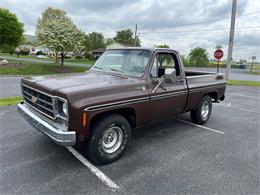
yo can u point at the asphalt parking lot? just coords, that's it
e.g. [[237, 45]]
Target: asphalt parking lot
[[171, 157]]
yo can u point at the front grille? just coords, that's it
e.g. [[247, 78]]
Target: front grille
[[40, 101]]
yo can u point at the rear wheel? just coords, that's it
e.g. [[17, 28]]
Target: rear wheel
[[109, 139], [202, 113]]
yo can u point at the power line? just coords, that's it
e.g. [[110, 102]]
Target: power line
[[213, 20], [205, 30]]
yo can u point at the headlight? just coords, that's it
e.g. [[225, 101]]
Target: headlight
[[62, 108], [65, 108]]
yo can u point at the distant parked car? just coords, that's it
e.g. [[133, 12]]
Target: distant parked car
[[39, 53], [41, 57], [23, 49], [3, 61], [68, 55]]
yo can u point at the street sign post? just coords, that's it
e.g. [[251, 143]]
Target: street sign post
[[218, 54]]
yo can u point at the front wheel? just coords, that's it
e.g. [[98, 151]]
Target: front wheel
[[201, 114], [110, 136]]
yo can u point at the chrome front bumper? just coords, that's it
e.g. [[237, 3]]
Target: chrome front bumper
[[64, 138]]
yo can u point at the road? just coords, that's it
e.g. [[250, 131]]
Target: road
[[10, 86], [170, 157], [44, 61]]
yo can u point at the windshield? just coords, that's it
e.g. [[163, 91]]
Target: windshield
[[126, 62]]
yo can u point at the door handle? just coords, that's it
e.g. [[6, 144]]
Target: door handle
[[180, 80]]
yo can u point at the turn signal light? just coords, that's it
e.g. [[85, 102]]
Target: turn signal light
[[84, 120]]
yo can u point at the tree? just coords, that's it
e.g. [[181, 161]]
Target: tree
[[126, 37], [57, 31], [198, 57], [11, 31], [23, 41], [185, 60], [163, 46], [94, 40], [109, 41]]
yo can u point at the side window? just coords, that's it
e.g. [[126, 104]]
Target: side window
[[163, 61]]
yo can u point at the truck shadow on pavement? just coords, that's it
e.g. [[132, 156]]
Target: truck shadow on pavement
[[154, 133]]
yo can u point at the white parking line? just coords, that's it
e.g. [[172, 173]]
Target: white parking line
[[241, 95], [237, 108], [200, 126], [106, 180]]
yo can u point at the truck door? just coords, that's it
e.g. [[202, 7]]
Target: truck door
[[169, 98]]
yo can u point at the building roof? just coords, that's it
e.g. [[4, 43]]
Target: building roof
[[99, 50]]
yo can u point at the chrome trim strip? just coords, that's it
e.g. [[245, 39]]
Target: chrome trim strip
[[64, 138], [206, 87], [119, 103], [173, 94], [136, 100]]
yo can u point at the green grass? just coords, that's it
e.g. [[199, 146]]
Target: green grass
[[246, 83], [8, 101], [256, 67], [31, 68]]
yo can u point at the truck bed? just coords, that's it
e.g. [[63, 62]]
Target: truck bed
[[199, 83]]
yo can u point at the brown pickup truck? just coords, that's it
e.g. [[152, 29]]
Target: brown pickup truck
[[125, 89]]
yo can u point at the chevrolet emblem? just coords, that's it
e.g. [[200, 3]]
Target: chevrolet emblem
[[34, 99]]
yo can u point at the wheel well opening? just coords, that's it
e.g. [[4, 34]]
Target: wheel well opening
[[213, 95], [128, 113]]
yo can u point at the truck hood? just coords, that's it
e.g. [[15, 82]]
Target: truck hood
[[69, 85]]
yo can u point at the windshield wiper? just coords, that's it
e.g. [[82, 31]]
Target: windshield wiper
[[116, 70], [98, 67]]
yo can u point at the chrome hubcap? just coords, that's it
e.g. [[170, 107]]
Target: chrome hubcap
[[205, 110], [112, 139]]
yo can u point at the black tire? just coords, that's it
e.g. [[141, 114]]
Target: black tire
[[197, 114], [101, 131]]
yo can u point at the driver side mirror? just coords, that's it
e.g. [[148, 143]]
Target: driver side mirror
[[170, 75]]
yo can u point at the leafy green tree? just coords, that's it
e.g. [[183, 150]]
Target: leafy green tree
[[163, 46], [11, 31], [23, 41], [126, 37], [198, 57], [94, 40], [109, 41], [57, 31], [51, 14], [185, 60]]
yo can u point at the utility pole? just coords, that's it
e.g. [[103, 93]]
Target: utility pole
[[253, 58], [231, 38], [135, 35]]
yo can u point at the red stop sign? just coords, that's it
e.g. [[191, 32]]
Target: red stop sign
[[218, 54]]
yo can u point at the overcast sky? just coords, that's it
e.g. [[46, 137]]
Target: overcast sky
[[181, 24]]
